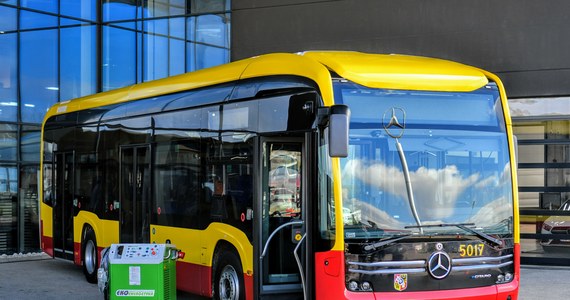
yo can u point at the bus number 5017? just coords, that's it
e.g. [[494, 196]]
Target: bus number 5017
[[471, 250]]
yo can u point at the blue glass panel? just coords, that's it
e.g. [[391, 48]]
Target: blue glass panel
[[8, 78], [9, 186], [84, 9], [30, 146], [38, 73], [43, 5], [114, 10], [139, 53], [176, 27], [155, 57], [213, 30], [119, 59], [191, 28], [13, 176], [128, 25], [70, 22], [78, 76], [155, 8], [156, 26], [32, 20], [178, 7], [176, 57], [8, 142], [7, 18], [208, 56], [190, 57]]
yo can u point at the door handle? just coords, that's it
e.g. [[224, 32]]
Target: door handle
[[275, 232]]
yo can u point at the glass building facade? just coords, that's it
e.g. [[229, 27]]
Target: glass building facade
[[57, 50], [542, 128]]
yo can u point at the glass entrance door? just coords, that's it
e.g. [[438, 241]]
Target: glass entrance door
[[63, 208], [135, 194], [282, 219]]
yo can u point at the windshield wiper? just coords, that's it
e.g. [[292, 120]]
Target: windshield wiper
[[385, 242], [408, 181], [464, 227]]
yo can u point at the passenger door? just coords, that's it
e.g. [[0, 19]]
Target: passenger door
[[63, 206], [135, 194], [280, 227]]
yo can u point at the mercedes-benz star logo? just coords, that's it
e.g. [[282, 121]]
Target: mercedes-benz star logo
[[394, 122], [439, 265]]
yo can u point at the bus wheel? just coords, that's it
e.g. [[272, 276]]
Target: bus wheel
[[89, 251], [228, 283]]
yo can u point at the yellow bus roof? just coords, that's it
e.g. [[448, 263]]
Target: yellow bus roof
[[372, 70], [391, 71]]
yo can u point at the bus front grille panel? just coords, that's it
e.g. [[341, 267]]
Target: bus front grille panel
[[420, 266]]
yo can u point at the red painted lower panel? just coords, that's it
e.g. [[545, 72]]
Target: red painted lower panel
[[47, 245], [248, 282], [517, 259], [197, 279], [194, 278], [329, 275], [77, 254]]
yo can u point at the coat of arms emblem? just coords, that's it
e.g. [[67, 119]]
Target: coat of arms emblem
[[400, 282]]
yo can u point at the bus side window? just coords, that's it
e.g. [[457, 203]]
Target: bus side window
[[176, 183], [218, 200]]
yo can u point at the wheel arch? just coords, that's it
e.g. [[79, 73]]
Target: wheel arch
[[89, 258], [226, 246]]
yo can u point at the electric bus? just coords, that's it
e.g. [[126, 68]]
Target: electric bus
[[315, 175]]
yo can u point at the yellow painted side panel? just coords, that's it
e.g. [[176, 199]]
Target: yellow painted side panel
[[337, 192], [46, 215], [106, 231], [199, 245], [46, 212]]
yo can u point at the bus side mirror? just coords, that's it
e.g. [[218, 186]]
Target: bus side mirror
[[338, 130]]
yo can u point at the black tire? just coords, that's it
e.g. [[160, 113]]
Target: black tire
[[228, 277], [90, 256]]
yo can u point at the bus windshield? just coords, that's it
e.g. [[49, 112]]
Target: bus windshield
[[458, 163]]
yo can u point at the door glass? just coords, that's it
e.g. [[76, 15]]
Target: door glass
[[127, 197], [281, 204], [63, 206], [135, 195], [142, 226]]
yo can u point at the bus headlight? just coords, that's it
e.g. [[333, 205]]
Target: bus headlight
[[366, 286], [355, 286], [504, 278]]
